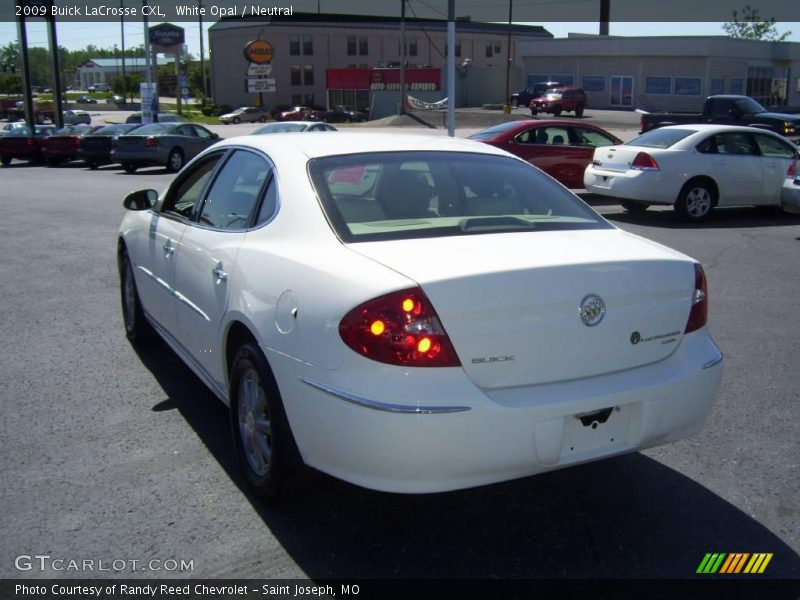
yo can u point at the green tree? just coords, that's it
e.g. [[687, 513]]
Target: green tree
[[752, 27], [10, 83]]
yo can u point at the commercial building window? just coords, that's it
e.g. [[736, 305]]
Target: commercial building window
[[621, 90], [688, 86], [308, 45], [296, 75], [297, 99], [594, 83], [489, 51], [294, 45], [412, 46], [658, 85], [308, 75], [458, 49], [352, 45], [308, 100], [736, 86], [562, 79], [363, 45], [497, 48], [717, 86]]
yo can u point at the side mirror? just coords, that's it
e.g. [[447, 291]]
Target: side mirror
[[214, 136], [140, 200]]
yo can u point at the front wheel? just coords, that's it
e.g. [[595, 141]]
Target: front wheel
[[175, 161], [93, 166], [6, 160], [534, 112], [556, 111], [262, 119], [129, 168], [136, 326], [261, 432], [696, 201], [579, 110], [514, 103], [236, 120]]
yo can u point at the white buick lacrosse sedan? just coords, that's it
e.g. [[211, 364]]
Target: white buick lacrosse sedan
[[413, 314]]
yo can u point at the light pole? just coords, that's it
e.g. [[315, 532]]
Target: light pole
[[506, 106]]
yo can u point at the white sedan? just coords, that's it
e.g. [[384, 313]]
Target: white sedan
[[695, 168], [413, 314]]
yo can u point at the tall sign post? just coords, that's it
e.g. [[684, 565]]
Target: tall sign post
[[169, 39], [258, 54]]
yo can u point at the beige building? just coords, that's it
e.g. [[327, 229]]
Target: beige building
[[305, 46], [666, 73]]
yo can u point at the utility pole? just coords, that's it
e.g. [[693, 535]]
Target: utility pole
[[451, 68], [402, 57], [506, 106], [202, 59], [122, 36]]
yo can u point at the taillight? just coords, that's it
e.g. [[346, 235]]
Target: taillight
[[792, 170], [151, 142], [644, 162], [400, 328], [76, 142], [698, 316], [30, 142]]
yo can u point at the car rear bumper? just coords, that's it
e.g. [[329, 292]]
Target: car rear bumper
[[138, 158], [436, 431], [790, 196], [646, 186]]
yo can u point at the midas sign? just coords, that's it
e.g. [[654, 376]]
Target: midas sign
[[258, 52]]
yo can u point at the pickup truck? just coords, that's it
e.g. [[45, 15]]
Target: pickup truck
[[728, 110]]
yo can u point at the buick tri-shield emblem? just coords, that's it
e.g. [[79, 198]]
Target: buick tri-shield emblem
[[591, 310]]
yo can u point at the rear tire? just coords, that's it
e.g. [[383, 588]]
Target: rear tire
[[534, 112], [579, 110], [514, 103], [556, 111], [696, 201], [262, 119], [261, 432], [5, 161], [93, 166], [129, 168], [175, 161], [236, 120], [634, 207]]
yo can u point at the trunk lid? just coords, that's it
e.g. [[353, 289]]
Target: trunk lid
[[96, 142], [131, 142], [510, 302], [616, 158]]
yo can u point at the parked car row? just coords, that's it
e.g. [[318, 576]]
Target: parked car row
[[132, 145], [253, 114]]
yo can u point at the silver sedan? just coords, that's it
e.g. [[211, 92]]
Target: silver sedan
[[168, 144]]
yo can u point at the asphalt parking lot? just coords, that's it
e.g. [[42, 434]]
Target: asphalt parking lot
[[110, 452]]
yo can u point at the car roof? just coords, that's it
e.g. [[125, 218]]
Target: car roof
[[319, 144], [706, 127]]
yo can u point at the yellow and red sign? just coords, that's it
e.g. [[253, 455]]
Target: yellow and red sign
[[258, 52]]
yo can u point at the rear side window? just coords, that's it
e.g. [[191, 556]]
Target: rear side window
[[404, 195], [772, 146], [235, 191], [660, 138]]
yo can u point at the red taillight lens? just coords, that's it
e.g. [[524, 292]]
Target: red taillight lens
[[400, 328], [792, 170], [698, 316], [151, 142], [76, 142], [644, 162], [30, 142]]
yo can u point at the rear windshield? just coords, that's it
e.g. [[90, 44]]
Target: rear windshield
[[114, 129], [404, 195], [151, 129], [280, 128], [493, 131], [660, 138]]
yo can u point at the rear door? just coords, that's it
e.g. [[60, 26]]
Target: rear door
[[553, 150], [737, 167], [776, 158], [206, 265]]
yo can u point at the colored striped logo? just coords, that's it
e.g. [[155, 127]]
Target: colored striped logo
[[734, 563]]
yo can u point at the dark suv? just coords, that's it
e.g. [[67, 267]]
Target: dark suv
[[558, 100], [524, 97]]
